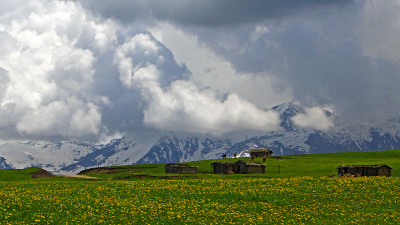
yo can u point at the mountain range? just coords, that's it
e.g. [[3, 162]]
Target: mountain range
[[72, 157]]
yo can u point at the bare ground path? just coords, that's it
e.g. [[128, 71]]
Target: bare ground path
[[80, 176]]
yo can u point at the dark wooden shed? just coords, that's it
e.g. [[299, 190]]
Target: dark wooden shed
[[248, 167], [260, 153], [222, 167], [365, 170], [181, 168], [240, 166]]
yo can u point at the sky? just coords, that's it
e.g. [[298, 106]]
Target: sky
[[98, 69]]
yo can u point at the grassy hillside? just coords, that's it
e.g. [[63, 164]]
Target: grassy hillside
[[13, 175], [314, 165]]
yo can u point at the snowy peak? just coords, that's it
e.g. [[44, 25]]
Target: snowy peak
[[286, 112], [288, 108]]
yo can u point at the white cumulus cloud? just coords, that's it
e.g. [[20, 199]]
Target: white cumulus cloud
[[314, 118], [47, 70], [182, 106], [69, 117]]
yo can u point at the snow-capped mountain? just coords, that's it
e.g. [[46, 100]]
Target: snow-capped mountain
[[123, 151], [49, 156], [168, 148], [172, 148], [71, 157], [291, 140]]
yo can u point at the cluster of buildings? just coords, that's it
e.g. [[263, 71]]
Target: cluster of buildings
[[250, 167], [241, 167], [218, 167]]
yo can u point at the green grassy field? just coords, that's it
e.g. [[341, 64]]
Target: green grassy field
[[16, 175], [302, 193]]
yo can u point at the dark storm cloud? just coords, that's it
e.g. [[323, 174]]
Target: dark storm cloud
[[343, 57], [205, 12]]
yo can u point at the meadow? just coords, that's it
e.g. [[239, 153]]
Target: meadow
[[300, 200], [298, 196]]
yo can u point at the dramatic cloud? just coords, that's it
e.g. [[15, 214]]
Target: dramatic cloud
[[47, 71], [342, 54], [66, 74], [213, 71], [182, 106]]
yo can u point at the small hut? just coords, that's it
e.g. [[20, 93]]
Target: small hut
[[237, 167], [181, 168], [222, 167], [365, 170], [260, 153], [248, 167]]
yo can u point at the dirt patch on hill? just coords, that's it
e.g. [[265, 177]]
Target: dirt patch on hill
[[41, 173], [99, 170], [81, 177], [114, 170], [144, 176]]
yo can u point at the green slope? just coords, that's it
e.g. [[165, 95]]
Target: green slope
[[17, 174], [314, 165]]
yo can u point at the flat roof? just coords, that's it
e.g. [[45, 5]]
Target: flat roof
[[366, 166]]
